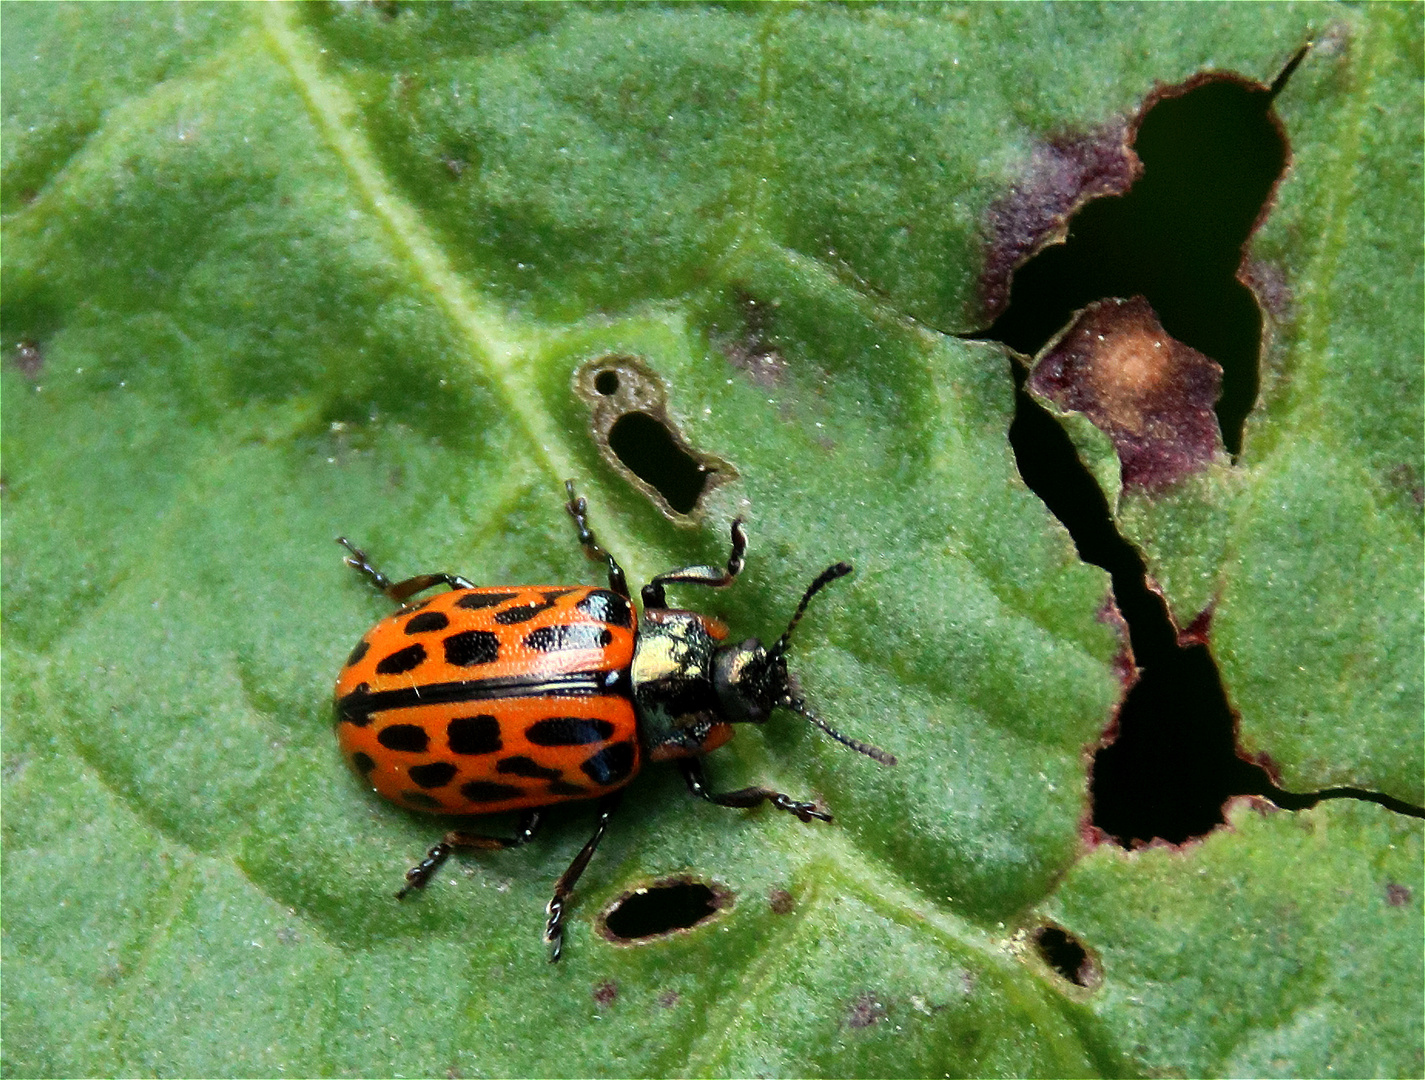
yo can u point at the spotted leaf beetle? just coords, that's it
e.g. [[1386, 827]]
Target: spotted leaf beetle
[[483, 700]]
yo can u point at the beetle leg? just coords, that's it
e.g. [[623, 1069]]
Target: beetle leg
[[746, 797], [419, 875], [579, 511], [398, 591], [554, 927], [710, 576]]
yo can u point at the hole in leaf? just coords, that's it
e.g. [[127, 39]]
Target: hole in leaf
[[1211, 152], [1174, 763], [649, 451], [1062, 952], [630, 423], [662, 908]]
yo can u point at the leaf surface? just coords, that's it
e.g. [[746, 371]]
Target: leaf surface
[[282, 273]]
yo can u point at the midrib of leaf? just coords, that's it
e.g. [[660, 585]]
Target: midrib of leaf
[[503, 349]]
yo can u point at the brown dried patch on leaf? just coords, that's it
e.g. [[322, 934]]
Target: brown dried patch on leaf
[[1148, 392], [781, 902], [1406, 478], [1063, 174]]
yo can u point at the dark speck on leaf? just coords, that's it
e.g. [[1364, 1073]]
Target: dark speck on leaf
[[864, 1012]]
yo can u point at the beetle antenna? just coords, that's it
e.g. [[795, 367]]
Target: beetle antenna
[[797, 705], [826, 577]]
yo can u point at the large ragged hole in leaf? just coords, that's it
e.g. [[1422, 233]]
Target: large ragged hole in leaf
[[661, 908], [1211, 152]]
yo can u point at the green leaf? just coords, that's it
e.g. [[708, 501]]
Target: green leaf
[[282, 273], [1309, 548]]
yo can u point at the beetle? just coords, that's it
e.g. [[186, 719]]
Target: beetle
[[482, 700]]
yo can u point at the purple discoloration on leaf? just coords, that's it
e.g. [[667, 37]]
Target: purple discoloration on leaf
[[864, 1012], [781, 902], [1063, 174], [752, 351], [1149, 393], [1199, 630], [28, 359]]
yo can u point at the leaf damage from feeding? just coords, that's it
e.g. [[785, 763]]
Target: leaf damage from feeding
[[631, 424], [781, 902], [752, 351], [1150, 394], [662, 909], [28, 359], [1397, 895], [864, 1012], [1063, 174], [1068, 957]]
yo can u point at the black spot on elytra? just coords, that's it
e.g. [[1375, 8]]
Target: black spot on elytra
[[486, 791], [607, 607], [362, 647], [471, 647], [362, 762], [436, 774], [422, 800], [611, 764], [522, 613], [426, 622], [568, 731], [474, 734], [408, 738], [554, 594], [561, 638], [402, 660], [474, 601], [523, 766], [561, 787]]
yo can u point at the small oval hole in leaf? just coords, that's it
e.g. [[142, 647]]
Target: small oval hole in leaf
[[606, 382], [662, 908], [1062, 952], [650, 452]]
